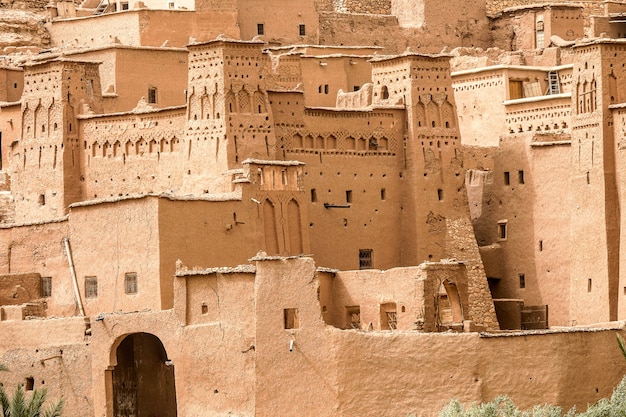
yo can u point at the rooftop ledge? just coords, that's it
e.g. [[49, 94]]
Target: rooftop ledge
[[536, 99], [511, 67]]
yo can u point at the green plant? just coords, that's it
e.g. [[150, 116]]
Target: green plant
[[21, 406]]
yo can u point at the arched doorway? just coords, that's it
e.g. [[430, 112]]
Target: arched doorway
[[143, 380], [450, 311]]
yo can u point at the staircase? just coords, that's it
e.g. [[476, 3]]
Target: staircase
[[553, 83]]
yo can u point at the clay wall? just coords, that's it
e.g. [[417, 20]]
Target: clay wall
[[523, 207], [133, 153], [527, 28], [109, 243], [303, 344], [133, 28], [397, 299], [229, 116], [138, 70], [471, 88], [55, 355], [326, 75], [541, 114], [10, 117], [11, 84], [19, 288], [336, 162], [593, 185], [45, 168], [282, 21], [473, 370], [364, 7], [619, 132], [475, 89], [213, 361], [38, 248]]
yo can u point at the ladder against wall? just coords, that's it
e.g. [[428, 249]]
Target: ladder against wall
[[553, 83]]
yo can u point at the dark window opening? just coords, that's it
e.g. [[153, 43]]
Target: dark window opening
[[541, 246], [152, 95], [325, 88], [354, 317], [205, 308], [91, 287], [365, 258], [130, 283], [440, 194], [260, 29], [124, 6], [30, 384], [356, 88], [46, 286], [383, 194], [348, 196], [521, 176], [589, 285], [313, 195], [302, 30], [42, 199], [507, 178], [388, 316], [522, 281], [502, 232], [292, 321]]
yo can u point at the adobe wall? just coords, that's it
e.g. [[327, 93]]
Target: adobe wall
[[530, 369], [534, 209], [595, 273], [281, 21], [19, 288], [386, 30], [137, 70], [213, 361], [494, 7], [38, 248], [133, 153], [110, 240], [336, 162], [10, 116], [619, 125], [143, 28], [326, 75], [412, 294], [56, 354]]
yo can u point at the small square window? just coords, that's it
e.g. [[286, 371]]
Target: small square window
[[46, 287], [292, 321], [365, 258], [302, 30], [152, 95], [522, 281], [356, 88], [125, 6], [260, 29], [91, 287], [130, 283]]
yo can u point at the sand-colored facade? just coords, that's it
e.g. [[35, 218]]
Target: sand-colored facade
[[265, 221]]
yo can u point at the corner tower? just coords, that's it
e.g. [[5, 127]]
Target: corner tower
[[228, 113], [46, 161]]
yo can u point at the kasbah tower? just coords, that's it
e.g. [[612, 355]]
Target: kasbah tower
[[320, 208]]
